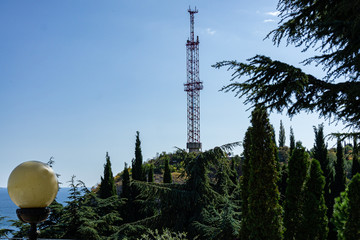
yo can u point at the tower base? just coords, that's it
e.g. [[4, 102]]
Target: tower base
[[193, 146]]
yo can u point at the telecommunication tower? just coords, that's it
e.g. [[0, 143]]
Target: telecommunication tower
[[193, 87]]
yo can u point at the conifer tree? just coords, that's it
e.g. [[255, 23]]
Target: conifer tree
[[137, 165], [150, 177], [292, 140], [314, 222], [264, 209], [167, 172], [298, 165], [126, 191], [320, 154], [107, 185], [352, 225], [340, 178], [244, 185], [282, 137], [355, 166]]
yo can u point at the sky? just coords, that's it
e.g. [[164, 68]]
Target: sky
[[79, 78]]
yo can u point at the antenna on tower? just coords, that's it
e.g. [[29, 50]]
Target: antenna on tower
[[193, 87]]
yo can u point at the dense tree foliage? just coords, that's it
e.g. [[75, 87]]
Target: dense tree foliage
[[292, 141], [263, 197], [298, 166], [314, 224], [352, 224], [339, 183], [137, 164], [167, 172], [356, 165], [107, 185]]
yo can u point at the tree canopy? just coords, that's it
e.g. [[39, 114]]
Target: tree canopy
[[332, 27]]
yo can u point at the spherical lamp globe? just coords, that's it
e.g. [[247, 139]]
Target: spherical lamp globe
[[32, 184]]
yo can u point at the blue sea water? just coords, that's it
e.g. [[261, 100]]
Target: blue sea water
[[8, 208]]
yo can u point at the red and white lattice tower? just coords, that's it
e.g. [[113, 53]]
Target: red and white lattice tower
[[193, 87]]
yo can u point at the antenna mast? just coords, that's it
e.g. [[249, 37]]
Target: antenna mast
[[193, 87]]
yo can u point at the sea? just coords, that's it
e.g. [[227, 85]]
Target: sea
[[8, 208]]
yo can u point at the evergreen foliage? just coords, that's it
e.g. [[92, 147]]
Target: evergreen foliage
[[298, 166], [292, 141], [314, 224], [264, 196], [244, 185], [331, 26], [352, 225], [137, 165], [126, 191], [355, 166], [282, 137], [167, 172], [341, 214], [320, 154], [107, 185], [340, 178]]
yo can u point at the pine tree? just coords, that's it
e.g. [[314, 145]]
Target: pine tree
[[264, 209], [298, 165], [292, 140], [355, 166], [352, 225], [150, 177], [137, 165], [282, 137], [314, 222], [340, 178], [107, 185], [244, 185], [167, 172]]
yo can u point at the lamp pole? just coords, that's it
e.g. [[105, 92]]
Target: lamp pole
[[32, 186]]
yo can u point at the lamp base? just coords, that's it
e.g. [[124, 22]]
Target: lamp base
[[33, 216]]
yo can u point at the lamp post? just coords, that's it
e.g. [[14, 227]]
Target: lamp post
[[32, 186]]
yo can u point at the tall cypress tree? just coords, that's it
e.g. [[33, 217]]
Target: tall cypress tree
[[340, 178], [320, 154], [264, 219], [298, 165], [107, 185], [355, 166], [314, 224], [244, 185], [282, 137], [292, 140], [167, 172], [137, 164], [352, 225]]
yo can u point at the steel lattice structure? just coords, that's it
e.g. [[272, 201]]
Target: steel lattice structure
[[193, 87]]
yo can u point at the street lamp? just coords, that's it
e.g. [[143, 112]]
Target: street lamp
[[32, 186]]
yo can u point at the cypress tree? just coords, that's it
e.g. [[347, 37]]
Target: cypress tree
[[126, 190], [292, 140], [314, 222], [355, 166], [264, 209], [244, 186], [137, 164], [298, 165], [352, 225], [320, 154], [151, 174], [340, 178], [107, 185], [167, 172], [281, 135]]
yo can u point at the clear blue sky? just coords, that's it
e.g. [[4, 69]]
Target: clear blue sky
[[79, 78]]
